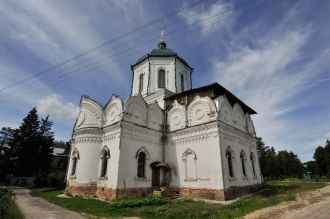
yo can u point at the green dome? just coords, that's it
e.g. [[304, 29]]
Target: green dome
[[161, 51]]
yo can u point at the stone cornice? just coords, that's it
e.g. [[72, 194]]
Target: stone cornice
[[139, 133], [233, 134], [195, 133]]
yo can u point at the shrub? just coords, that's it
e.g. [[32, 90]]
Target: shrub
[[4, 202], [55, 180]]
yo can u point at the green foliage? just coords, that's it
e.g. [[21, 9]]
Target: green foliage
[[53, 180], [28, 149], [8, 208], [278, 165], [146, 201], [4, 203], [322, 160]]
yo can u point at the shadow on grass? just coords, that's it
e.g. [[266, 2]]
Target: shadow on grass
[[271, 190]]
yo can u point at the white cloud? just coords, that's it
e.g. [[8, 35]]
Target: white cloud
[[261, 77], [218, 14], [57, 108]]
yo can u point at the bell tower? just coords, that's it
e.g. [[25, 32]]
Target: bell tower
[[160, 73]]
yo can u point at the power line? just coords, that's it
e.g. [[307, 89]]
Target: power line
[[101, 45], [147, 41], [123, 44]]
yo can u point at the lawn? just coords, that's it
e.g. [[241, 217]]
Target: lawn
[[273, 193]]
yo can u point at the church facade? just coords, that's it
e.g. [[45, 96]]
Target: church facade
[[197, 142]]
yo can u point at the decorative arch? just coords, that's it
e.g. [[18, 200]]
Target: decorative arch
[[74, 160], [136, 110], [230, 157], [239, 118], [201, 110], [176, 117], [144, 150], [142, 155], [104, 156], [242, 157], [253, 161], [189, 159]]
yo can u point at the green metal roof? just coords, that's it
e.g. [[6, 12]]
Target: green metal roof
[[161, 52]]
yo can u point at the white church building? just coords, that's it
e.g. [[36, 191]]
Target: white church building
[[197, 142]]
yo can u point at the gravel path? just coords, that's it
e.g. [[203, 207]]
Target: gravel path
[[35, 207], [311, 205]]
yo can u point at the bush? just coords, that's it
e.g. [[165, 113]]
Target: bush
[[4, 202], [146, 201], [54, 180]]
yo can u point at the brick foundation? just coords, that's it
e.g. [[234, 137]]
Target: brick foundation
[[214, 194], [115, 194], [92, 189], [86, 189], [102, 192], [218, 194]]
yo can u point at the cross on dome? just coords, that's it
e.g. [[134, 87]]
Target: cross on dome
[[162, 44]]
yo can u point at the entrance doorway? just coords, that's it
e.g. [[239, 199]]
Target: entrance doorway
[[160, 174]]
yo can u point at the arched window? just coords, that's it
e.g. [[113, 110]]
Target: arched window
[[230, 156], [161, 78], [252, 159], [105, 155], [74, 157], [141, 83], [189, 159], [141, 164], [242, 157], [182, 83]]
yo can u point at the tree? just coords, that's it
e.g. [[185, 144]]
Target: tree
[[28, 148], [322, 159], [46, 146], [289, 164]]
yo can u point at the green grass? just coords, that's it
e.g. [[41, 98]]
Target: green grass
[[8, 208], [273, 193]]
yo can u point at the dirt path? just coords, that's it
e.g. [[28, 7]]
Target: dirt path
[[313, 204], [35, 207]]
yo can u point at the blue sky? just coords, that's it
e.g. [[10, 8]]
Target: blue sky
[[274, 55]]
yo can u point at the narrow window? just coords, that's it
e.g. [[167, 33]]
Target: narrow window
[[75, 157], [161, 78], [243, 163], [252, 162], [141, 83], [74, 166], [230, 163], [141, 164], [182, 83], [105, 154]]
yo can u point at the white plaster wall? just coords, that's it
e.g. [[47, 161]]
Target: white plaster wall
[[181, 69], [88, 147], [204, 141], [111, 140], [166, 63], [142, 68], [238, 142], [134, 138]]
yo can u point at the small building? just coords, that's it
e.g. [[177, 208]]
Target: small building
[[197, 142]]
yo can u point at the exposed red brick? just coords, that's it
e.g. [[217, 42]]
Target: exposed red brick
[[86, 189]]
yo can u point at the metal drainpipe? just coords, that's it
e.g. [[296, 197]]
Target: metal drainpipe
[[164, 137]]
